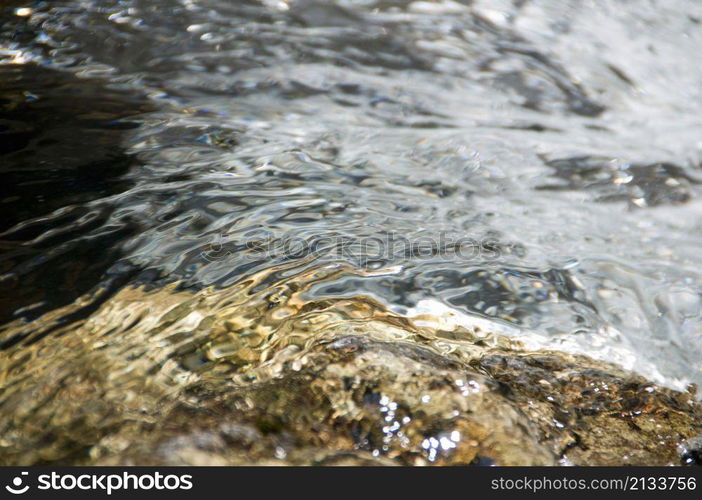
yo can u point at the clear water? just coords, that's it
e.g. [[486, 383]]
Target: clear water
[[529, 166]]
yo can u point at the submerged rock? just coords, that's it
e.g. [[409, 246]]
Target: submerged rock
[[257, 374]]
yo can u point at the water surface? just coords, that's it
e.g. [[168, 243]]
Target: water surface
[[529, 166]]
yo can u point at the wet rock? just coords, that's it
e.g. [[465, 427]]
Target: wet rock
[[691, 451], [641, 184], [221, 377]]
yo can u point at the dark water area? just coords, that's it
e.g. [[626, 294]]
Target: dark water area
[[61, 150], [532, 167]]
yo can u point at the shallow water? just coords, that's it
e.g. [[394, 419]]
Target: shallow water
[[532, 167]]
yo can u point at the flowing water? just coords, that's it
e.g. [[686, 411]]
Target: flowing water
[[532, 167]]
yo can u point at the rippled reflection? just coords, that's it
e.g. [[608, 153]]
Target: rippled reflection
[[191, 145]]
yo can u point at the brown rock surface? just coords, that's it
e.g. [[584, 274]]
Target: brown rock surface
[[258, 375]]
